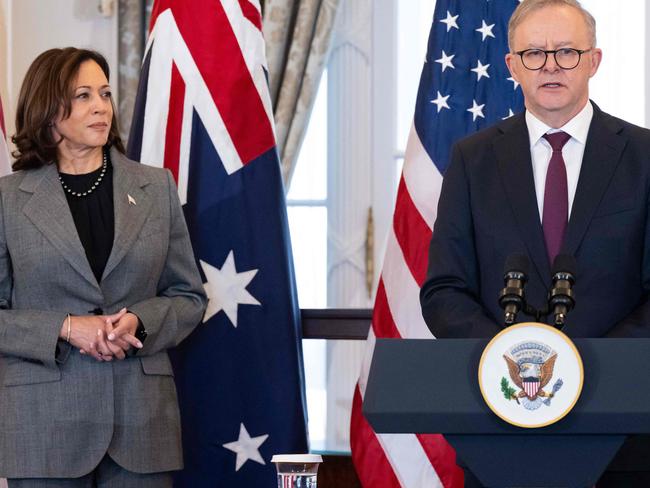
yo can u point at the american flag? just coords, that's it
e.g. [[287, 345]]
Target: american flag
[[5, 165], [203, 109], [465, 86]]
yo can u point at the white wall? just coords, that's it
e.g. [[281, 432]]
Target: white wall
[[3, 55], [29, 27], [620, 87]]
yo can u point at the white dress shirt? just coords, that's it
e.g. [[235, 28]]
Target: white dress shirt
[[541, 151]]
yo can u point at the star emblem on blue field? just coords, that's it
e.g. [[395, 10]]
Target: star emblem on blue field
[[226, 289], [450, 21], [445, 61], [510, 114], [441, 102], [514, 82], [476, 110], [481, 70], [485, 30], [246, 447]]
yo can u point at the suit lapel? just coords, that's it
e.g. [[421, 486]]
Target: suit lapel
[[512, 149], [131, 206], [48, 210], [601, 157]]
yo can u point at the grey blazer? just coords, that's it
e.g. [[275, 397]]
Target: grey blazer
[[61, 412]]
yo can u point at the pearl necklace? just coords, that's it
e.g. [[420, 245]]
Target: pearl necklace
[[94, 185]]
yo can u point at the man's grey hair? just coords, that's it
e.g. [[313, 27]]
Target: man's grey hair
[[527, 7]]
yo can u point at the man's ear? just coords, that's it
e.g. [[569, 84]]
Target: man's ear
[[596, 58], [513, 66]]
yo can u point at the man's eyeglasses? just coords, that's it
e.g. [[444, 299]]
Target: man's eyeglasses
[[565, 58]]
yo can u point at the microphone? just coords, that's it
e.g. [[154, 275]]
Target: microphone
[[560, 298], [511, 298]]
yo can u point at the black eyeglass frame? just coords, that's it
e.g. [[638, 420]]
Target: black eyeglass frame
[[554, 52]]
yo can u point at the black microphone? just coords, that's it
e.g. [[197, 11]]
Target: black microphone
[[511, 298], [560, 298]]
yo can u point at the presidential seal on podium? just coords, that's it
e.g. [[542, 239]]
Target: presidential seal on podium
[[530, 375]]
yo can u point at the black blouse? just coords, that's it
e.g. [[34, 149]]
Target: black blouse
[[93, 215]]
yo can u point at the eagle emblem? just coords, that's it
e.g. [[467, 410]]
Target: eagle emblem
[[530, 366]]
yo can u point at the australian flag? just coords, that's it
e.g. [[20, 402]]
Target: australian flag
[[203, 110]]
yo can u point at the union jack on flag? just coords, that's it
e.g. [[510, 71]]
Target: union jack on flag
[[203, 110], [465, 86]]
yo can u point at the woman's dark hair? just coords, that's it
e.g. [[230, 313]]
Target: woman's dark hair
[[48, 86]]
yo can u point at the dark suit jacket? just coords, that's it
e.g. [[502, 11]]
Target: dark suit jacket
[[488, 210]]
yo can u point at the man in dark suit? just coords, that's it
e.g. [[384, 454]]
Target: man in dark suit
[[562, 178]]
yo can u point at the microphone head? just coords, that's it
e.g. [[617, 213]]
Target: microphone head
[[564, 263], [516, 262]]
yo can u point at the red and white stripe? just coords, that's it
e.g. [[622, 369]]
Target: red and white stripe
[[531, 388], [213, 64], [403, 460], [5, 164]]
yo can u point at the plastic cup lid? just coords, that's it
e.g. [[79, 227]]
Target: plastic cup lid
[[297, 458]]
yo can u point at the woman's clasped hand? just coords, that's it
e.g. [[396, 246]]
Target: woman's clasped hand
[[104, 337]]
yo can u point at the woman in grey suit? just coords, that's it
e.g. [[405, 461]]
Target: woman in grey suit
[[97, 281]]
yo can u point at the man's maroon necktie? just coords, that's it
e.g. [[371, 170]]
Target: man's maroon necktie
[[556, 196]]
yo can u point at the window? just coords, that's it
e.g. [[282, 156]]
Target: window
[[307, 210], [307, 207]]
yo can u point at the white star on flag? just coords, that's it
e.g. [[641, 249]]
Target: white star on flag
[[441, 102], [515, 82], [485, 30], [226, 289], [246, 447], [481, 70], [510, 114], [445, 61], [450, 21], [476, 110]]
